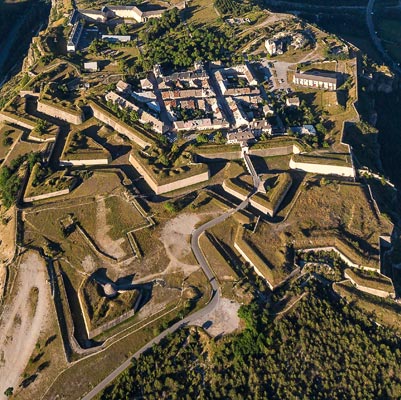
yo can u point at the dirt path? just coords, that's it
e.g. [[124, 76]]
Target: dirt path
[[20, 326], [107, 244], [175, 237]]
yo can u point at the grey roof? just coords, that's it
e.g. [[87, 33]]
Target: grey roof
[[325, 76]]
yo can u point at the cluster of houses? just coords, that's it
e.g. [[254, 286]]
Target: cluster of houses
[[147, 117], [191, 101]]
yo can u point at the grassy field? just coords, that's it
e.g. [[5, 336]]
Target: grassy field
[[122, 216], [50, 183], [101, 309], [216, 259], [326, 158], [8, 136], [81, 147], [385, 312], [308, 224]]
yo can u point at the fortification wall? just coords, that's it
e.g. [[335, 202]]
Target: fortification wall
[[236, 155], [341, 255], [233, 192], [80, 163], [375, 292], [229, 155], [275, 151], [46, 195], [6, 117], [248, 260], [62, 113], [168, 187], [108, 119], [323, 169]]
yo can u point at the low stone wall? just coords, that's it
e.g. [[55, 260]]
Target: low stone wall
[[248, 260], [275, 151], [34, 138], [6, 117], [233, 192], [168, 187], [341, 255], [108, 325], [236, 155], [261, 208], [323, 169], [229, 155], [111, 324], [46, 195], [108, 119], [80, 163], [60, 112], [366, 289]]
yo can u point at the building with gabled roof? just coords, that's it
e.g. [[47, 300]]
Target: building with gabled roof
[[316, 79]]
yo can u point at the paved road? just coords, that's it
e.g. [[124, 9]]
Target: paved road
[[214, 301], [376, 40], [221, 101]]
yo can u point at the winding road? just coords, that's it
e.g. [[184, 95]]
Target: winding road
[[376, 40], [204, 312]]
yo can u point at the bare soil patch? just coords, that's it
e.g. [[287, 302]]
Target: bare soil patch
[[21, 325]]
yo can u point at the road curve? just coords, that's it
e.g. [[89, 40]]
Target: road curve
[[376, 40], [210, 306]]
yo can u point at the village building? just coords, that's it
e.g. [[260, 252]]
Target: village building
[[75, 36], [304, 130], [123, 87], [316, 79], [146, 84], [200, 124], [292, 102], [274, 46], [91, 66], [260, 126], [242, 137], [144, 97]]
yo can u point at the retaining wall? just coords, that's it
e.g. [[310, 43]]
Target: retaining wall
[[108, 119], [248, 260], [236, 155], [323, 169], [46, 195], [79, 163], [6, 117], [341, 255], [168, 187], [60, 112], [375, 292], [275, 151]]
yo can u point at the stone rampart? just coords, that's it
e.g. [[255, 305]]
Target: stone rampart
[[248, 260], [63, 113], [46, 195], [118, 126], [323, 169], [7, 117], [168, 187], [87, 162], [370, 290]]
